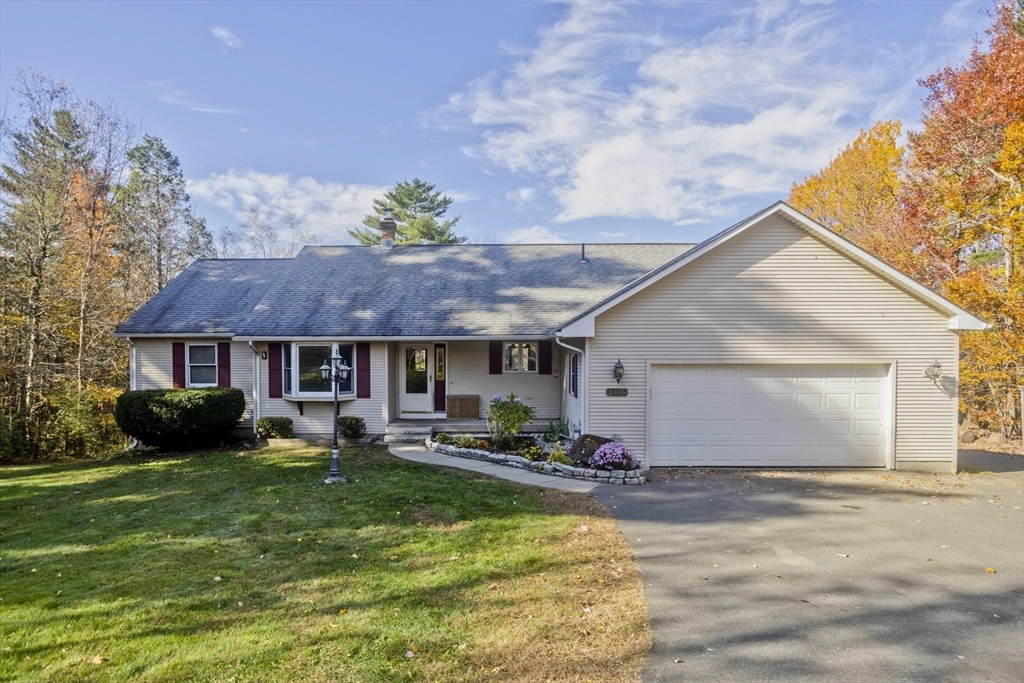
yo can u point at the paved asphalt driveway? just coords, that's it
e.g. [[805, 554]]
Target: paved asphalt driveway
[[831, 576]]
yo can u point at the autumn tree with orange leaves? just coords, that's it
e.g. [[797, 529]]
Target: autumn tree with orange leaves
[[949, 208]]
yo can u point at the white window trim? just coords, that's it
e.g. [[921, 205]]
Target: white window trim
[[536, 354], [188, 367], [293, 392]]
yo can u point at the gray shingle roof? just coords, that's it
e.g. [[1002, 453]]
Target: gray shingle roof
[[437, 291]]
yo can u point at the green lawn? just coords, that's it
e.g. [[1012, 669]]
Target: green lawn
[[245, 566]]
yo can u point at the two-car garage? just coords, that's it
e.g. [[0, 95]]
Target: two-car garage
[[769, 415]]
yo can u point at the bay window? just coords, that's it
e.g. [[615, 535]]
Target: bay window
[[301, 369]]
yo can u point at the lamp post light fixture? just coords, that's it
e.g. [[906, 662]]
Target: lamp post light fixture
[[933, 371], [619, 371], [337, 372]]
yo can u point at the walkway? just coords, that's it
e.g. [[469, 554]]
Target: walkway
[[418, 453]]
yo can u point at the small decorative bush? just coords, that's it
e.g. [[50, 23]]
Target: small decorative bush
[[275, 428], [507, 418], [442, 438], [612, 456], [351, 426], [558, 456], [534, 454], [179, 418], [557, 430], [466, 441]]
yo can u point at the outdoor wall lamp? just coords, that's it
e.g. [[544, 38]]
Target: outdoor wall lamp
[[619, 371], [337, 372], [933, 371]]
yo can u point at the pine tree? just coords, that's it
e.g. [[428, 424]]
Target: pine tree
[[419, 211]]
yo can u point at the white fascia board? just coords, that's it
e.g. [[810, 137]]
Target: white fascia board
[[416, 338], [174, 335], [583, 326]]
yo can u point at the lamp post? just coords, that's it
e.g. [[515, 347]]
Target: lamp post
[[337, 372]]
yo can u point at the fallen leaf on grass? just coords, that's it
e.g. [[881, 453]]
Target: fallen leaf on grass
[[408, 654], [97, 660], [342, 611]]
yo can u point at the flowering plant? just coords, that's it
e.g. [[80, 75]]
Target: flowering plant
[[612, 456]]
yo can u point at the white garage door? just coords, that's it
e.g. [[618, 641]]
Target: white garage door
[[768, 415]]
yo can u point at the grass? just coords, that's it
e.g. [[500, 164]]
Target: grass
[[244, 566]]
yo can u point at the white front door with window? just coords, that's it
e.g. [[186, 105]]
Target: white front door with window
[[417, 394]]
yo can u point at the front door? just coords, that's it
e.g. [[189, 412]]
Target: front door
[[417, 378]]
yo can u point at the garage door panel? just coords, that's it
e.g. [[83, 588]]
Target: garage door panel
[[768, 415]]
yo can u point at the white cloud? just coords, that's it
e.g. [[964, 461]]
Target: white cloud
[[625, 121], [182, 98], [227, 38], [535, 234], [522, 198], [326, 208]]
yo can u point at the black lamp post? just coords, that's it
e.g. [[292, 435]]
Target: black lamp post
[[337, 372]]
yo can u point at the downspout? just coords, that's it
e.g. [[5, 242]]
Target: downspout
[[133, 381], [255, 386], [583, 401]]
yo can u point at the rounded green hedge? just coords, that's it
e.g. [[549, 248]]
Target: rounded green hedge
[[179, 418]]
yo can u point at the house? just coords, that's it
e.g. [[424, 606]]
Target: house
[[773, 343]]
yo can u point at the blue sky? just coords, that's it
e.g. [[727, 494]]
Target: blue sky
[[546, 121]]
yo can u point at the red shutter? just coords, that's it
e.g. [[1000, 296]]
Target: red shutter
[[274, 370], [496, 358], [363, 370], [223, 364], [178, 362], [544, 357]]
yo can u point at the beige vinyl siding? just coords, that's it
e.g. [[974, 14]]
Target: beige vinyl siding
[[469, 373], [316, 417], [155, 367], [775, 295], [572, 406]]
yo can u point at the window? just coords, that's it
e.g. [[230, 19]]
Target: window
[[520, 356], [202, 365], [573, 375], [287, 368], [301, 369]]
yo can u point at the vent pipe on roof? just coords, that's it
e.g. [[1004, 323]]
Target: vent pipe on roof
[[583, 252], [388, 226]]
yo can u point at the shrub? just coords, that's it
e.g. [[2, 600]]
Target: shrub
[[352, 426], [275, 428], [612, 456], [557, 430], [558, 456], [466, 441], [507, 418], [442, 438], [179, 418], [533, 453]]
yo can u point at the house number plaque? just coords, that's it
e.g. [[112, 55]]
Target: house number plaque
[[616, 391]]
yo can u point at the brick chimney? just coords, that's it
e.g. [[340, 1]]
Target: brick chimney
[[387, 230]]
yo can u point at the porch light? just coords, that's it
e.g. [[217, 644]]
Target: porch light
[[619, 371], [933, 371]]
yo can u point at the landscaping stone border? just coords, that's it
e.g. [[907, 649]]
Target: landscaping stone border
[[620, 477]]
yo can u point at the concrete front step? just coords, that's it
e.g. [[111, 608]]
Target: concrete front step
[[408, 429], [405, 438]]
